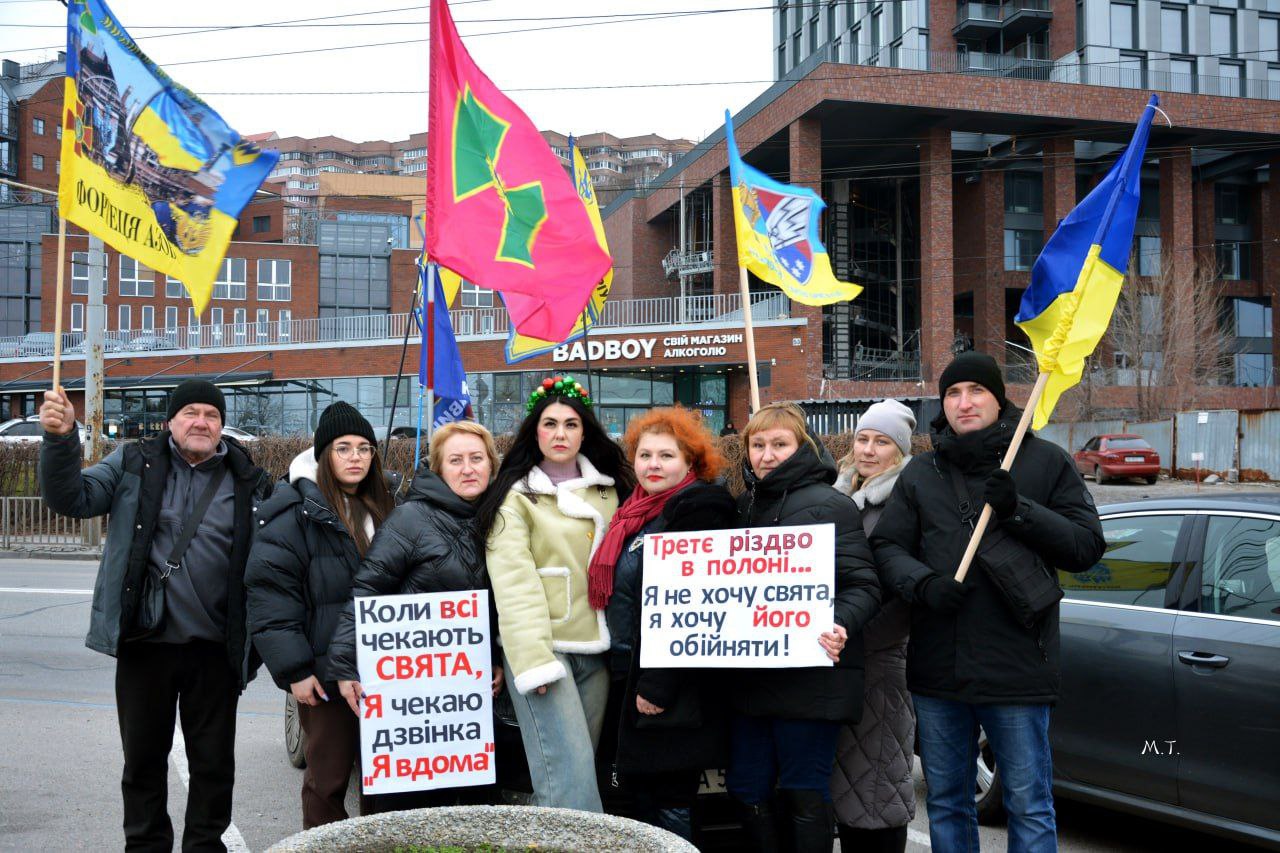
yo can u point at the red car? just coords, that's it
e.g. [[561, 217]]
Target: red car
[[1118, 456]]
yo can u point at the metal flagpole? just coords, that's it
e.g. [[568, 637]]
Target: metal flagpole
[[404, 348], [586, 351]]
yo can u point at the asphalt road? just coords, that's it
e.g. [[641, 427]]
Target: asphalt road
[[60, 762]]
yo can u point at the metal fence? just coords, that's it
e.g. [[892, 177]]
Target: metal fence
[[1260, 445], [27, 524], [1206, 440]]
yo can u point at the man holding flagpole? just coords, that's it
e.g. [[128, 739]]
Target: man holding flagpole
[[985, 652]]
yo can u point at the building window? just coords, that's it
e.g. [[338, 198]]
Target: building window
[[875, 32], [831, 21], [193, 327], [57, 131], [79, 273], [1149, 260], [136, 279], [813, 33], [286, 325], [215, 320], [1273, 82], [1232, 80], [1021, 246], [1269, 39], [238, 318], [1080, 42], [1182, 75], [1233, 259], [474, 296], [1124, 25], [172, 287], [148, 318], [37, 126], [1250, 317], [231, 280], [275, 279], [1228, 207], [263, 325], [171, 318], [124, 317], [1023, 192], [1132, 70], [782, 60], [1173, 29], [37, 162], [1254, 369], [1222, 34], [77, 316], [261, 224]]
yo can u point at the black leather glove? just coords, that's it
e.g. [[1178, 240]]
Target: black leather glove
[[941, 594], [1001, 492]]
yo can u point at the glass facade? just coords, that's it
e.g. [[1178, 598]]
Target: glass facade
[[293, 406]]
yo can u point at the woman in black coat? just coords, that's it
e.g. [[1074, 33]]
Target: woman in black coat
[[785, 722], [427, 545], [310, 536], [671, 723]]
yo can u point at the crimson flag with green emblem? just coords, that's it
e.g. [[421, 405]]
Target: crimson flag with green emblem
[[501, 210]]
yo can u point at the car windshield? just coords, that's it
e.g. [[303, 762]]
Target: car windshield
[[1129, 443]]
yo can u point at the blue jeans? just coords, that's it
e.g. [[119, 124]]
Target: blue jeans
[[1019, 737], [560, 730], [795, 755]]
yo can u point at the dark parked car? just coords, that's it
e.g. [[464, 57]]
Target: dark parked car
[[1170, 702], [1119, 456]]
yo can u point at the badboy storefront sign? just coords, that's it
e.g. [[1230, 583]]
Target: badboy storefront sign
[[632, 349]]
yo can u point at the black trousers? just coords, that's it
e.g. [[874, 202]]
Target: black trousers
[[155, 684]]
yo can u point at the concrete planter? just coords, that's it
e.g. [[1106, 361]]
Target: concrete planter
[[484, 828]]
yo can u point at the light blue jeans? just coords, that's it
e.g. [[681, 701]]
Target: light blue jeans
[[561, 729], [1019, 737]]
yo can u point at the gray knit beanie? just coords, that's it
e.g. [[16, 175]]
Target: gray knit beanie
[[891, 418]]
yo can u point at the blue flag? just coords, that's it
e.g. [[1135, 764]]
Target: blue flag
[[453, 402]]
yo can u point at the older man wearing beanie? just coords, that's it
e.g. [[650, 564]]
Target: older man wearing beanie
[[985, 652], [169, 600]]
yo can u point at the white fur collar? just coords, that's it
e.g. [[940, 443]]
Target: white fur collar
[[536, 482], [304, 466], [877, 489]]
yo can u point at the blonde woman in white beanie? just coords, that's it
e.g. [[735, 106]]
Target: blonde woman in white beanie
[[871, 785]]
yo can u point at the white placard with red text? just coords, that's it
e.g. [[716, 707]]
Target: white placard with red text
[[427, 717], [749, 598]]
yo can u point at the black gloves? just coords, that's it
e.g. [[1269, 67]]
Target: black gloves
[[1001, 493], [941, 594]]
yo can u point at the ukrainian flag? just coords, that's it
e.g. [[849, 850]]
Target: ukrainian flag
[[1076, 280], [777, 229]]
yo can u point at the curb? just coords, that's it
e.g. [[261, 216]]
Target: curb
[[50, 555]]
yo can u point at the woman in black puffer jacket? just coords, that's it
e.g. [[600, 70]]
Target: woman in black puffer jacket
[[310, 536], [786, 721], [427, 545]]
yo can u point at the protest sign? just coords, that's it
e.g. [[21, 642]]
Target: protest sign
[[738, 598], [427, 717]]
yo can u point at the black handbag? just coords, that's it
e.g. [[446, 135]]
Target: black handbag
[[148, 619], [1025, 582]]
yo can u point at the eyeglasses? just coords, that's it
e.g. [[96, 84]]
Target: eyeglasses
[[346, 451]]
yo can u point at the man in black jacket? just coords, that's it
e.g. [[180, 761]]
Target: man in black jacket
[[196, 658], [976, 658]]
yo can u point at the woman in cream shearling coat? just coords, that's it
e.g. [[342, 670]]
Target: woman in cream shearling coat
[[541, 521]]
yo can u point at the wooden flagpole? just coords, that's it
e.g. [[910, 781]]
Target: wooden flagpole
[[57, 305], [751, 338], [1028, 413]]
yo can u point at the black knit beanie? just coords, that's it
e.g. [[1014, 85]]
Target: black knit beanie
[[197, 391], [341, 419], [973, 366]]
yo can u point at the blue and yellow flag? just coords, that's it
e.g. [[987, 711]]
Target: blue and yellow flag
[[146, 165], [441, 369], [1076, 280], [519, 347], [777, 227]]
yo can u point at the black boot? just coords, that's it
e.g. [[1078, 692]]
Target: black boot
[[810, 821], [760, 827], [889, 840]]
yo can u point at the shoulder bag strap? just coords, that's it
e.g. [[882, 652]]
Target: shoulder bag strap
[[193, 523]]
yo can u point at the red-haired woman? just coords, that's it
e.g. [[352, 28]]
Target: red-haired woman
[[669, 730]]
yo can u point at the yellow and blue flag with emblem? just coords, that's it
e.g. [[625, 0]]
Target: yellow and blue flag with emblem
[[777, 228], [146, 165], [519, 347], [1076, 280]]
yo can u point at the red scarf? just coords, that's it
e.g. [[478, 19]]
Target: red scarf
[[637, 511]]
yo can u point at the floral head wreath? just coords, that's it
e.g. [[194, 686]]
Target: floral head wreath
[[558, 386]]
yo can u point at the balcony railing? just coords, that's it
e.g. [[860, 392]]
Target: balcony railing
[[467, 322]]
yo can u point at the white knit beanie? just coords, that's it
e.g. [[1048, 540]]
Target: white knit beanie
[[891, 418]]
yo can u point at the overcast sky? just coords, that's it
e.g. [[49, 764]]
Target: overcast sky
[[671, 46]]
